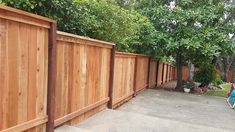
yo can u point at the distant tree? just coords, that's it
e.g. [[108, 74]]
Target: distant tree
[[189, 29]]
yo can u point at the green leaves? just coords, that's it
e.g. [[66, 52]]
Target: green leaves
[[192, 29], [99, 19], [206, 74]]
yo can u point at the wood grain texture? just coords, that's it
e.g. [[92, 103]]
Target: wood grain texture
[[23, 69], [83, 68], [123, 86], [152, 74], [164, 79], [141, 81], [52, 73], [160, 71], [185, 73], [111, 77]]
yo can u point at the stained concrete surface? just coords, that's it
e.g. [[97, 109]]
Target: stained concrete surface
[[162, 111]]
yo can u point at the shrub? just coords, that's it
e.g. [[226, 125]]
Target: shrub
[[218, 82], [206, 74]]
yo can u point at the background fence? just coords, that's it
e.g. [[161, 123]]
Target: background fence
[[49, 79]]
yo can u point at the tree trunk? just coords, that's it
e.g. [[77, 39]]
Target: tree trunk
[[179, 66], [191, 70], [223, 76]]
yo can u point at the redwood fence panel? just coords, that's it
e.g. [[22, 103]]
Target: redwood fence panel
[[24, 41], [124, 73], [160, 73], [171, 73], [82, 81], [164, 79], [229, 75], [185, 73], [168, 72], [142, 65], [153, 74]]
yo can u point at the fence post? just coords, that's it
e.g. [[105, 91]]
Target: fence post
[[111, 77], [157, 73], [149, 66], [163, 68], [167, 72], [171, 72], [135, 73], [52, 73]]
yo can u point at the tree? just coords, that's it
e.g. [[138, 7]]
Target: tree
[[226, 61], [189, 29]]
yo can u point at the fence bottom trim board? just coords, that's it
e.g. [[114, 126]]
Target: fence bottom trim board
[[152, 86], [142, 88], [27, 125], [77, 113], [122, 98], [139, 91]]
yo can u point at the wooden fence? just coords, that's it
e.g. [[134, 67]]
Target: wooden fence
[[82, 80], [229, 75], [141, 72], [124, 77], [24, 42], [51, 78], [153, 74], [134, 73], [185, 73]]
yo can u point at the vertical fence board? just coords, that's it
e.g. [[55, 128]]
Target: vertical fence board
[[159, 76], [185, 72]]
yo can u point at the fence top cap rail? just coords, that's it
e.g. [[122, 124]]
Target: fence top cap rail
[[84, 38], [132, 54], [166, 63], [21, 12]]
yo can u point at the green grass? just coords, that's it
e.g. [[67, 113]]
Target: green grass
[[220, 93]]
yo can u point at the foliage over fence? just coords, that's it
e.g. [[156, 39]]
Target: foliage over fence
[[129, 30]]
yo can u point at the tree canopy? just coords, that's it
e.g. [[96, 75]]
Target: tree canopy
[[129, 30], [186, 30], [191, 29]]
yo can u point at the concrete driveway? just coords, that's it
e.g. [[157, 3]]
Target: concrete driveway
[[162, 111]]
